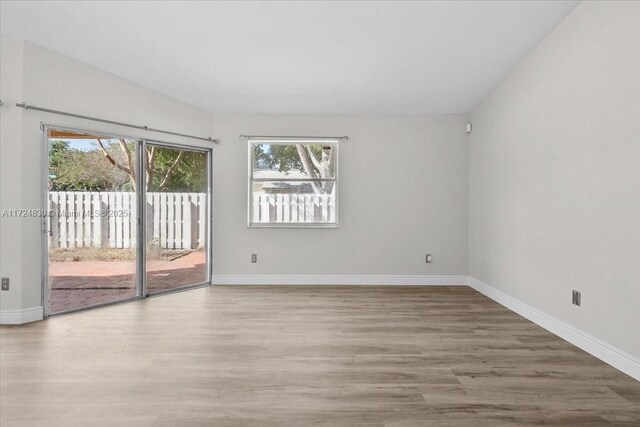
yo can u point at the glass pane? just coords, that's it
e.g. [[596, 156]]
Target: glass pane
[[293, 202], [176, 213], [286, 161], [93, 221]]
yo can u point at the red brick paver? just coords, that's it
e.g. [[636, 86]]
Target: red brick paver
[[86, 283]]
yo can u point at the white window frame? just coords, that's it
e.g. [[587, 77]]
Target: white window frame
[[252, 141]]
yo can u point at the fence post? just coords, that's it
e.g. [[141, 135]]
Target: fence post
[[111, 201], [71, 219], [125, 213], [186, 221], [202, 219], [177, 206], [332, 208], [150, 214], [193, 221], [171, 223], [293, 208], [156, 217], [325, 207], [256, 208], [162, 224], [308, 208], [133, 218], [77, 219], [265, 208], [96, 213], [279, 205], [104, 220], [87, 218], [54, 219]]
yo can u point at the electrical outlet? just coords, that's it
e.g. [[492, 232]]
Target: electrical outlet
[[5, 283], [576, 297], [254, 258], [428, 259]]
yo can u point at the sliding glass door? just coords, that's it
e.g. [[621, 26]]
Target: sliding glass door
[[177, 212], [91, 224], [105, 195]]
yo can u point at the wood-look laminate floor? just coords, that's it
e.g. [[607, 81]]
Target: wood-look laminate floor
[[298, 356]]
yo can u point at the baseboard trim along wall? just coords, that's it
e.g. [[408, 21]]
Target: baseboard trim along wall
[[615, 357], [340, 280], [17, 317]]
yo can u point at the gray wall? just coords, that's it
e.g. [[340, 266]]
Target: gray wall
[[42, 77], [403, 183], [554, 161], [402, 193], [11, 158]]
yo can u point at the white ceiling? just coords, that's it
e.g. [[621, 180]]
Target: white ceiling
[[323, 57]]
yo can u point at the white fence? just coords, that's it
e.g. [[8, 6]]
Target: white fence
[[109, 219], [174, 220], [293, 208]]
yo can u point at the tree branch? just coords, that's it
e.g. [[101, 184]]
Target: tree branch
[[307, 168], [330, 159], [111, 159], [149, 166], [127, 154], [170, 170], [313, 158]]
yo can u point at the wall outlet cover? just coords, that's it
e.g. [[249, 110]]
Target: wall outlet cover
[[576, 297]]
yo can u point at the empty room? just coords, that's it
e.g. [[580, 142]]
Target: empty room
[[334, 213]]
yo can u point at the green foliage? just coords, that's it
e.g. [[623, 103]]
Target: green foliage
[[72, 169], [189, 174], [283, 157], [57, 149], [313, 160]]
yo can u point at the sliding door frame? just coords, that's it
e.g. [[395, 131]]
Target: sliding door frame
[[209, 215], [141, 276]]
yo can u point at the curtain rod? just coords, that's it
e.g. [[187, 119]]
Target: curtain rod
[[339, 138], [27, 106]]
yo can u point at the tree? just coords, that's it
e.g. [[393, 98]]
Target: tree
[[314, 160], [183, 171], [167, 168], [73, 169], [111, 165], [57, 150]]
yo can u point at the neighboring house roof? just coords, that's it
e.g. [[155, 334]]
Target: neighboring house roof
[[267, 173]]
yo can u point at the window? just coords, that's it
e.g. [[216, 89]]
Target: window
[[293, 182]]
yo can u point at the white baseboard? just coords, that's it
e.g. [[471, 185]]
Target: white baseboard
[[615, 357], [17, 317], [339, 280]]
